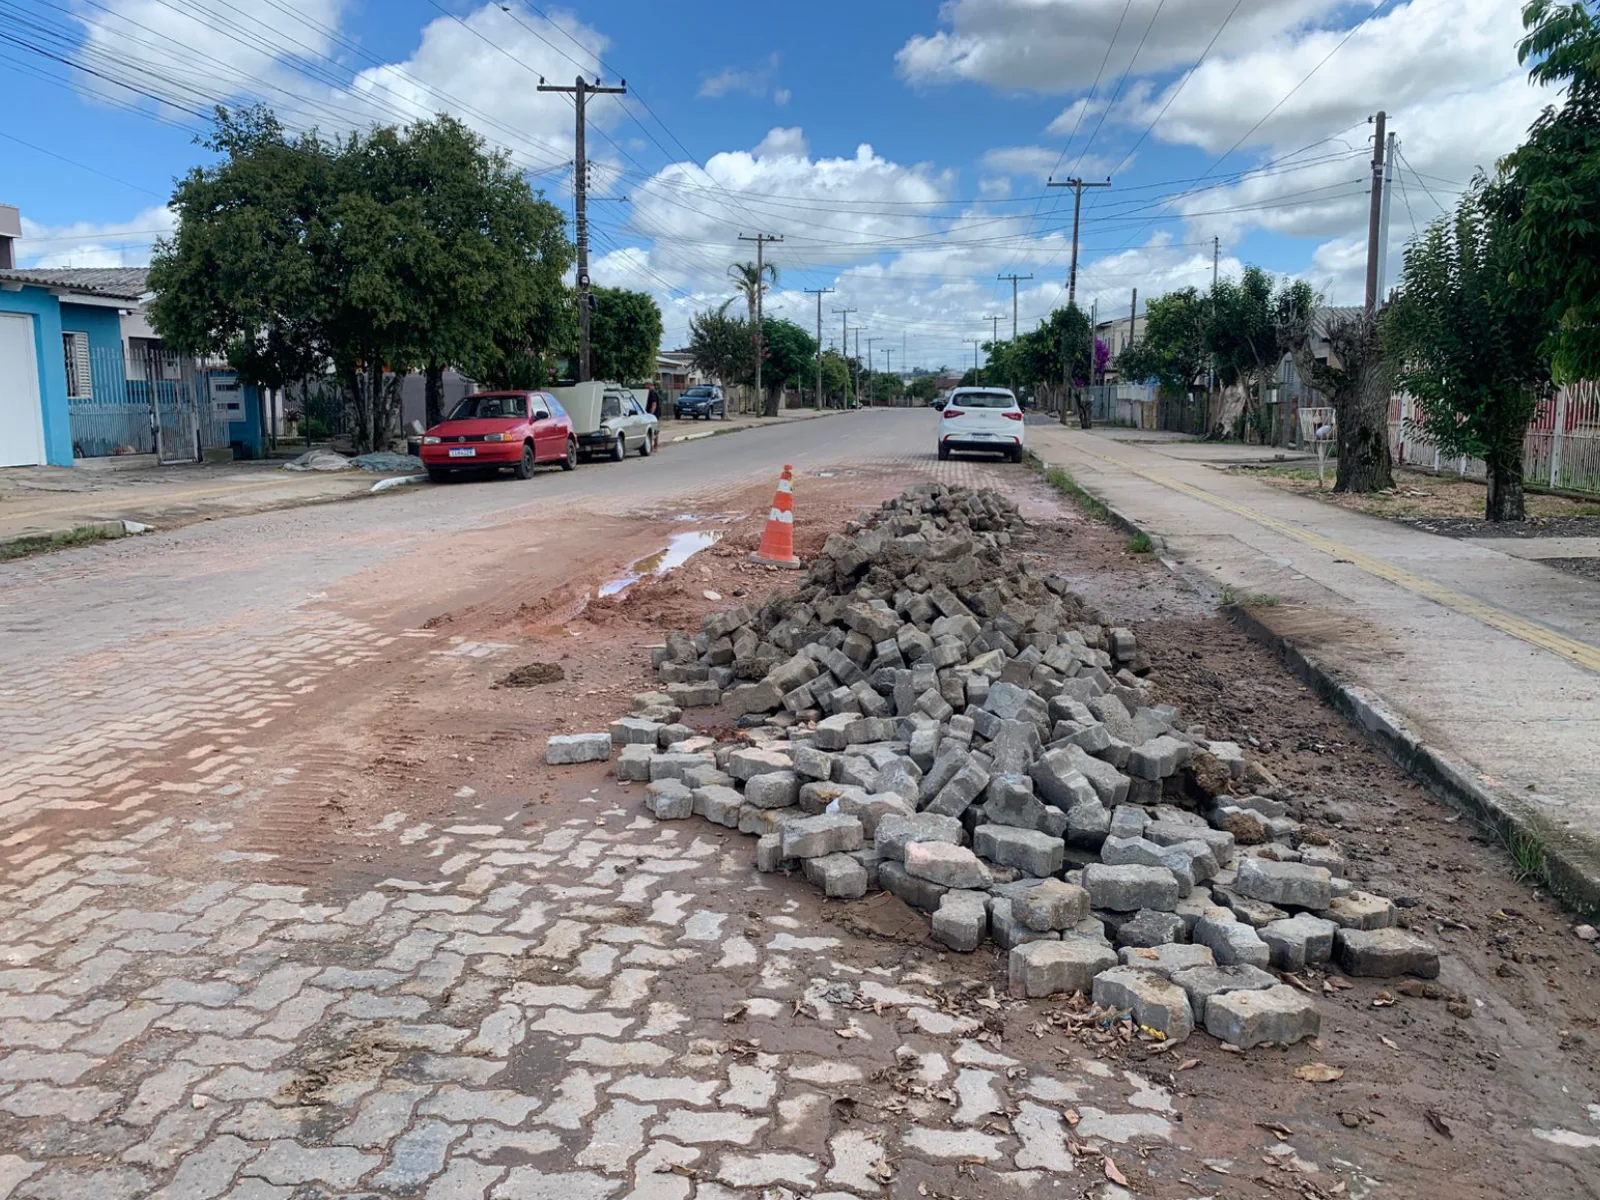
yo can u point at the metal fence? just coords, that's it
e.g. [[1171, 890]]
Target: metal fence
[[149, 401], [1561, 448]]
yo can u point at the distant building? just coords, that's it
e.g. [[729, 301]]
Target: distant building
[[1118, 334]]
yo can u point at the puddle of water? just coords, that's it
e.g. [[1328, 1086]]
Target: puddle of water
[[678, 550]]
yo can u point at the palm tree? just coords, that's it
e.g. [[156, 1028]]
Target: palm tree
[[752, 281]]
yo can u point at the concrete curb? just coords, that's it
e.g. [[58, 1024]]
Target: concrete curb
[[111, 527], [1572, 861]]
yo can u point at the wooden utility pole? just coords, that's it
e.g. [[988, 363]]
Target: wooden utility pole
[[994, 328], [580, 91], [1375, 216], [761, 240], [819, 293], [858, 363], [1077, 186], [1133, 316], [1013, 279], [844, 347]]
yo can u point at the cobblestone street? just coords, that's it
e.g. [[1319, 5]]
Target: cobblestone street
[[293, 910]]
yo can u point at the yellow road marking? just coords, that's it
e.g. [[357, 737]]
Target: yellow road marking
[[1581, 653]]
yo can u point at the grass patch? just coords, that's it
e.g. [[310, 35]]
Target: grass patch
[[1140, 543], [1227, 595], [1072, 490], [1261, 600], [28, 546], [1528, 861]]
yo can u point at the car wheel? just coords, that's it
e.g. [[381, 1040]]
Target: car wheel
[[648, 446], [438, 475], [1016, 455], [620, 450], [524, 467], [944, 453], [570, 462]]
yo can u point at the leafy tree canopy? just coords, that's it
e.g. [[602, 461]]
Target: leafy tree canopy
[[624, 335], [1172, 349]]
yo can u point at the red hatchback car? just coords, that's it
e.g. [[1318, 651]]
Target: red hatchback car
[[491, 430]]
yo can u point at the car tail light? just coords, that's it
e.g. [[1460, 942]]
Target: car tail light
[[1013, 416], [953, 412]]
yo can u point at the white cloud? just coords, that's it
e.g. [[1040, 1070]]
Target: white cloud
[[1072, 117], [1036, 163], [1059, 45], [781, 97], [752, 81], [94, 243]]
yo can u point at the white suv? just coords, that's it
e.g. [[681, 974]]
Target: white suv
[[982, 418]]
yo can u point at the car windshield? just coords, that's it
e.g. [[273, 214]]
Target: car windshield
[[610, 407], [478, 408], [699, 393], [984, 400]]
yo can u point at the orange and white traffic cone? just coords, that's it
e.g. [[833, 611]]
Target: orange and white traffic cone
[[777, 541]]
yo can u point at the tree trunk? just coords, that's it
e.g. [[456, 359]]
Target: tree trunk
[[770, 408], [1365, 464], [360, 409], [434, 392], [1505, 487]]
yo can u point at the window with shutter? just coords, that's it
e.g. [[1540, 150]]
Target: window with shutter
[[75, 347]]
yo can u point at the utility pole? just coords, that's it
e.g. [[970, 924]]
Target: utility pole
[[994, 328], [761, 240], [870, 340], [1013, 279], [1133, 318], [1390, 170], [581, 90], [1211, 311], [844, 347], [858, 363], [1375, 216], [1077, 186], [975, 343], [819, 293]]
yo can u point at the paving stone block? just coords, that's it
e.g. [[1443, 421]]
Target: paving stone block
[[1279, 1015], [769, 853], [813, 837], [840, 876], [1232, 942], [1201, 983], [669, 800], [1292, 884], [745, 764], [761, 821], [1360, 910], [830, 733], [1058, 780], [563, 749], [1156, 1003], [1052, 904], [817, 796], [1028, 850], [964, 787], [1009, 800], [1051, 968], [719, 805], [894, 833], [947, 865], [676, 766], [918, 893], [1384, 953], [962, 920], [1130, 888], [1158, 758], [1299, 941], [1167, 960], [813, 763], [633, 763], [634, 731], [695, 695], [1128, 821], [1151, 928], [1007, 931], [1170, 833], [775, 789], [902, 778], [870, 810]]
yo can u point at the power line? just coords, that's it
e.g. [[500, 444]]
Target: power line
[[1120, 84], [1420, 182], [83, 167]]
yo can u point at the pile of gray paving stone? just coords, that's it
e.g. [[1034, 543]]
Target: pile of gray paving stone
[[933, 714]]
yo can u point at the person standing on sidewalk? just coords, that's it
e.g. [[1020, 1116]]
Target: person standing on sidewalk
[[652, 402]]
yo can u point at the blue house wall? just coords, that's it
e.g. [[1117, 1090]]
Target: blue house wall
[[45, 308]]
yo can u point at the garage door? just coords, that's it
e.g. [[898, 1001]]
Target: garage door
[[21, 421]]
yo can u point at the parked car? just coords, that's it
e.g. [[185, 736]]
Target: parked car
[[624, 427], [490, 430], [704, 401], [938, 403], [985, 419]]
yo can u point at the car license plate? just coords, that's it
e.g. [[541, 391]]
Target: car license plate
[[463, 452]]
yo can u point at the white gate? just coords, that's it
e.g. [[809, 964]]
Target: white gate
[[21, 417]]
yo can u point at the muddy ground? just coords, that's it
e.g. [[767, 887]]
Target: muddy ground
[[1482, 1085]]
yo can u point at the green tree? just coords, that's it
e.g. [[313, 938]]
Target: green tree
[[624, 335], [1549, 192], [354, 255], [1467, 343], [924, 388], [722, 347], [790, 359], [1248, 319], [1172, 350], [1341, 356], [835, 377], [752, 282]]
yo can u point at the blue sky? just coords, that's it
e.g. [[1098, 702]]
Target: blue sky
[[1240, 120]]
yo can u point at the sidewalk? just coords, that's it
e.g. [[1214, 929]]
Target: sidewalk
[[1479, 669], [43, 501]]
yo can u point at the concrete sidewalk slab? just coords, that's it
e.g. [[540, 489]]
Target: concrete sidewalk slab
[[1477, 668]]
